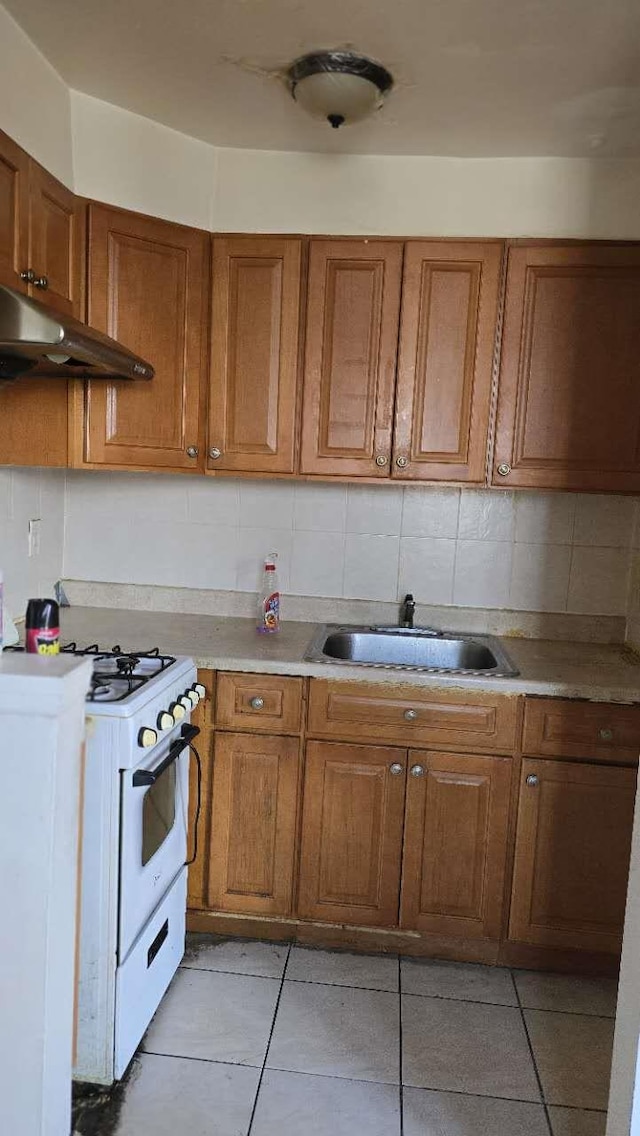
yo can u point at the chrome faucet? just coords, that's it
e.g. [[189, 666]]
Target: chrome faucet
[[407, 611]]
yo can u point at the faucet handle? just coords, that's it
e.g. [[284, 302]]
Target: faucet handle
[[409, 598]]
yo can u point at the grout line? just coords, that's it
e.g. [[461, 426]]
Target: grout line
[[535, 1066], [400, 1086], [235, 973], [268, 1046]]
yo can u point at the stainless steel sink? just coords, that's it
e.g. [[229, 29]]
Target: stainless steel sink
[[411, 649]]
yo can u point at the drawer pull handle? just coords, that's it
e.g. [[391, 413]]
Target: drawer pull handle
[[396, 769], [257, 703], [410, 715], [417, 770], [532, 779], [606, 734]]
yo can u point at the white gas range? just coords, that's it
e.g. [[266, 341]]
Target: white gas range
[[134, 849]]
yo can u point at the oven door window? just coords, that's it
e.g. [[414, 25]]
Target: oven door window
[[158, 813]]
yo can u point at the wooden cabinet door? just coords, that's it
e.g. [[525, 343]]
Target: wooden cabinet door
[[14, 212], [455, 844], [148, 288], [57, 221], [350, 361], [253, 824], [569, 393], [572, 855], [254, 354], [352, 834], [445, 368]]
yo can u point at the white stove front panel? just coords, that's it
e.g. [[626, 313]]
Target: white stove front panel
[[153, 838]]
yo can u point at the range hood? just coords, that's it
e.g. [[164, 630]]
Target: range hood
[[38, 342]]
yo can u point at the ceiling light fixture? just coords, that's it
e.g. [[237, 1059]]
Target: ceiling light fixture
[[338, 86]]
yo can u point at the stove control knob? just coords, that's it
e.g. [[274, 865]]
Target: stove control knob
[[177, 711], [193, 697], [185, 701], [199, 689], [165, 720], [147, 737]]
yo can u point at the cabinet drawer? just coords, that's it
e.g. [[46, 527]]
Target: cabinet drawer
[[598, 731], [264, 703], [411, 715]]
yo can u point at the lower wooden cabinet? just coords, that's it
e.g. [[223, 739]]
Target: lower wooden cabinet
[[455, 844], [352, 834], [253, 824], [573, 845]]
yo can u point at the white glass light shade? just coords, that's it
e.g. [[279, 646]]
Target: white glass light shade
[[337, 94]]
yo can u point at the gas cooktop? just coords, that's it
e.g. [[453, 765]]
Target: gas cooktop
[[116, 673]]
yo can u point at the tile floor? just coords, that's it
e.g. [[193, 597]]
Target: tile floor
[[263, 1039]]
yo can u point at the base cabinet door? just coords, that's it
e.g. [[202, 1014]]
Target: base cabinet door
[[352, 834], [455, 844], [148, 287], [573, 845], [253, 824]]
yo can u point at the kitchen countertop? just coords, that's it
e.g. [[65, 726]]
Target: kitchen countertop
[[601, 672]]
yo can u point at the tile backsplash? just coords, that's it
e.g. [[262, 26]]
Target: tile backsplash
[[26, 495], [528, 551]]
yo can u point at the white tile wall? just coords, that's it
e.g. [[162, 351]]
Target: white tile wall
[[478, 548], [30, 494]]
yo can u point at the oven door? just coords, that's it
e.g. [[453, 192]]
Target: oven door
[[153, 834]]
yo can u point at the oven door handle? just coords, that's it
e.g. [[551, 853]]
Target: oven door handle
[[144, 777]]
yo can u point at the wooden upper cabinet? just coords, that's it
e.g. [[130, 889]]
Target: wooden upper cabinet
[[352, 834], [573, 845], [455, 844], [569, 394], [350, 361], [57, 227], [42, 231], [253, 824], [14, 212], [447, 336], [148, 288], [254, 354]]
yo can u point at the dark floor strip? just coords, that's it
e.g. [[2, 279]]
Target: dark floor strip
[[266, 1052], [533, 1057]]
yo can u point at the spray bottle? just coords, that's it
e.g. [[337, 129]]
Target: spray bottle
[[269, 597]]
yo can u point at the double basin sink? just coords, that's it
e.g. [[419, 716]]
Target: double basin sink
[[417, 649]]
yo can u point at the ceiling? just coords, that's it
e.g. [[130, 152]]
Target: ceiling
[[473, 77]]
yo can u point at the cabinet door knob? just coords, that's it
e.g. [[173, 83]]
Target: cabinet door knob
[[256, 703], [504, 469], [606, 734], [402, 462], [417, 770], [192, 451], [28, 275], [381, 460], [396, 769], [532, 779], [215, 453], [410, 715], [41, 282]]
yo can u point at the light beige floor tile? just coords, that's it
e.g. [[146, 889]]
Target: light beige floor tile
[[342, 968], [219, 1017], [293, 1104], [451, 1114], [466, 1047], [567, 992], [236, 956], [466, 981], [166, 1095], [337, 1032], [573, 1056], [575, 1122]]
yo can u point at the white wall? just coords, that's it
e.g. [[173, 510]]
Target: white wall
[[529, 551], [35, 107], [130, 161], [29, 494]]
